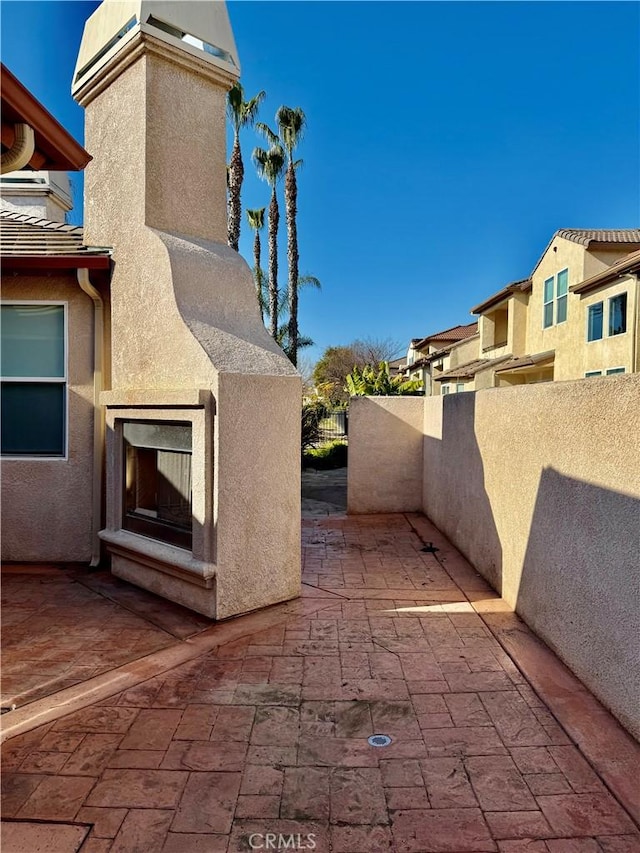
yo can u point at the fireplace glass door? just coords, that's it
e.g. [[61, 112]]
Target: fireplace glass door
[[157, 481]]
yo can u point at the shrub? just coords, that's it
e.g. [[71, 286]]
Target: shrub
[[370, 381], [312, 413], [328, 456]]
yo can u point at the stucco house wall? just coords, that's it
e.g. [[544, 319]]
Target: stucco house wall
[[46, 503], [610, 351], [545, 505]]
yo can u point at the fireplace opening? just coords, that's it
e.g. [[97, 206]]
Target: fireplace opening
[[157, 500]]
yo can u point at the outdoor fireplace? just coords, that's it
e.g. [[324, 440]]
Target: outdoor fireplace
[[157, 499], [203, 412]]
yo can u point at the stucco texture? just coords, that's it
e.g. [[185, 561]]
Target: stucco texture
[[539, 486], [185, 321], [385, 461], [46, 503]]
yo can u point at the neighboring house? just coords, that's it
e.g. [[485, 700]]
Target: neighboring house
[[575, 316], [428, 357], [396, 366], [608, 317]]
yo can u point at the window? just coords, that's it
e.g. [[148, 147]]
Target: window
[[34, 380], [548, 303], [446, 389], [555, 306], [593, 373], [562, 282], [459, 387], [157, 481], [594, 322], [613, 370], [618, 314]]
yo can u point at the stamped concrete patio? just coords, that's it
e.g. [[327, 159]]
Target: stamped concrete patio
[[259, 726]]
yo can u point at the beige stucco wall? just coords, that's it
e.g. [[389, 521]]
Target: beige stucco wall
[[464, 352], [185, 323], [539, 486], [561, 254], [46, 503], [518, 319], [385, 460], [614, 351]]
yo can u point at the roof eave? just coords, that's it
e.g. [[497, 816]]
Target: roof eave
[[61, 150], [605, 277], [40, 263]]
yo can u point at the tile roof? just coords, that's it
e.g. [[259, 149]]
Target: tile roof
[[469, 370], [452, 335], [527, 361], [585, 236], [523, 285], [30, 236], [629, 264]]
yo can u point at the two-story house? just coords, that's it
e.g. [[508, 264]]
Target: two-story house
[[428, 357], [575, 316], [558, 317]]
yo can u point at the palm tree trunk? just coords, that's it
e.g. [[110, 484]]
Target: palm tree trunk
[[235, 178], [274, 219], [291, 200], [257, 271]]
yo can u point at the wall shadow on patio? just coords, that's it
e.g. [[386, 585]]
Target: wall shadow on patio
[[580, 594]]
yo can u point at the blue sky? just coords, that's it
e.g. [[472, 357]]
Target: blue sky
[[446, 142]]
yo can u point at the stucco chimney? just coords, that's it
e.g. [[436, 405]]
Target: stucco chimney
[[156, 74], [194, 370]]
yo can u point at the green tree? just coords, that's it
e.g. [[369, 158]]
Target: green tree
[[291, 123], [331, 371], [255, 219], [241, 114], [370, 381], [270, 165]]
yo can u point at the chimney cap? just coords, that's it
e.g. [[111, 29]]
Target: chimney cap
[[200, 28]]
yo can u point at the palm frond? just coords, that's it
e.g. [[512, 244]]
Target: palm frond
[[309, 281], [291, 123], [255, 218], [250, 109], [269, 164], [271, 137], [242, 113]]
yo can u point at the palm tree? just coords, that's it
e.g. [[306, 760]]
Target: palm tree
[[256, 221], [291, 123], [270, 166], [241, 114], [283, 332]]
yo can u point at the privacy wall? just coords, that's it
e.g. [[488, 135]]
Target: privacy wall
[[539, 487]]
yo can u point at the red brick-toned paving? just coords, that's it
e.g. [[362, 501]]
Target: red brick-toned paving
[[268, 733], [59, 622]]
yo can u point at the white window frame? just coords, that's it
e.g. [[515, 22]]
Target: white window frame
[[554, 299], [459, 387], [52, 379], [591, 373], [615, 371], [446, 389]]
